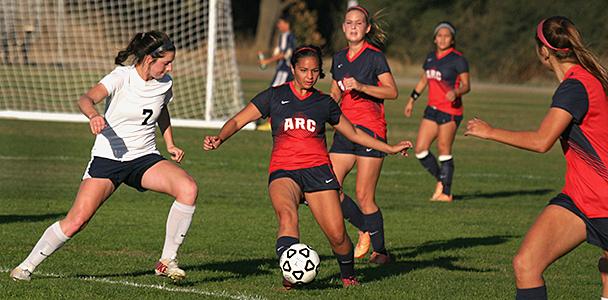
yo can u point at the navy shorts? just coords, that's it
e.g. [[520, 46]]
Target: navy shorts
[[439, 117], [129, 172], [343, 145], [320, 178], [597, 228]]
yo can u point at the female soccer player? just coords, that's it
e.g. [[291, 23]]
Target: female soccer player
[[299, 166], [578, 117], [446, 72], [125, 151], [362, 80]]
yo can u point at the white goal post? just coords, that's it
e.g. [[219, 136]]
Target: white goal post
[[52, 51]]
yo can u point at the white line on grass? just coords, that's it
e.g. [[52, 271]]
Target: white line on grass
[[223, 294]]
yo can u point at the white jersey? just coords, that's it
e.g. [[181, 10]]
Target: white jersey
[[132, 108]]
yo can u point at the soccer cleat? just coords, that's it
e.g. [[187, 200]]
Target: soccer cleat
[[349, 281], [362, 245], [288, 285], [379, 258], [169, 269], [443, 198], [18, 274], [438, 191]]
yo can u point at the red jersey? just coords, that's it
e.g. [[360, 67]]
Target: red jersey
[[298, 126], [585, 141], [365, 66], [442, 73]]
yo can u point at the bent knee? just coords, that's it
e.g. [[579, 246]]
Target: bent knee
[[523, 266], [337, 239], [72, 225], [187, 191]]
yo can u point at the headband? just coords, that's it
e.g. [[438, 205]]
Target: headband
[[361, 9], [166, 46], [445, 25], [541, 37], [306, 48]]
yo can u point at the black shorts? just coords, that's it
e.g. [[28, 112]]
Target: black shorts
[[439, 117], [343, 145], [313, 179], [597, 228], [129, 172]]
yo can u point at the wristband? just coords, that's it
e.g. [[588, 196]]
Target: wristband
[[414, 95]]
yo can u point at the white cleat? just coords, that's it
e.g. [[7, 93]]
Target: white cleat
[[18, 274], [169, 269]]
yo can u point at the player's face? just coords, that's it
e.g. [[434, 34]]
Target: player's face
[[306, 72], [162, 65], [444, 39], [355, 26], [282, 25]]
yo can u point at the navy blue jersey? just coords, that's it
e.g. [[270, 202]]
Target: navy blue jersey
[[298, 125], [365, 66], [286, 45], [442, 74]]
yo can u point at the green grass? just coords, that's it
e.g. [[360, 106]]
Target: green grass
[[461, 250]]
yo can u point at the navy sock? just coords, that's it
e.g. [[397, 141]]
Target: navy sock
[[283, 243], [429, 162], [352, 213], [375, 226], [537, 293], [445, 175], [346, 263]]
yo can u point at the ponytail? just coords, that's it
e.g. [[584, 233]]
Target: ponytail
[[377, 34], [153, 43], [561, 38]]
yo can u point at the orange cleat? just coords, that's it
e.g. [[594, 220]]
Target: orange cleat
[[438, 191], [362, 245], [443, 198]]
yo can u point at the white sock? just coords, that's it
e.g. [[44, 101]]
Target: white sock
[[604, 298], [178, 222], [52, 239]]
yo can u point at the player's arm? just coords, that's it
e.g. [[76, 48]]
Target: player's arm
[[463, 88], [356, 135], [86, 104], [335, 91], [273, 58], [386, 90], [248, 114], [539, 140], [420, 86], [164, 123]]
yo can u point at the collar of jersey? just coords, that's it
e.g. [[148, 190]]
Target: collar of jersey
[[138, 81], [351, 59], [293, 90], [571, 71], [445, 54]]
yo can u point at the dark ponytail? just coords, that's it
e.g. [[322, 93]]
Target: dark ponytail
[[377, 34], [308, 51], [559, 35], [154, 43]]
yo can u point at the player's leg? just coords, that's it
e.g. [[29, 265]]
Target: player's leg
[[91, 194], [325, 207], [427, 133], [166, 177], [603, 268], [555, 232], [445, 140]]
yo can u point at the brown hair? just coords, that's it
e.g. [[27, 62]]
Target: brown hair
[[377, 34], [154, 43], [561, 38]]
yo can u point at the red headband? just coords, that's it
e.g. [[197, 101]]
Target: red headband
[[541, 37], [361, 9], [306, 48]]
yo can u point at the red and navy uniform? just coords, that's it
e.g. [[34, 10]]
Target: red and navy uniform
[[298, 126], [365, 66], [442, 73], [585, 141]]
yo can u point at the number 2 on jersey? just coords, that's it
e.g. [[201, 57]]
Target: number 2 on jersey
[[149, 112]]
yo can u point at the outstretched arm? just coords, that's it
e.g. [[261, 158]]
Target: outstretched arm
[[248, 114], [539, 140], [354, 134]]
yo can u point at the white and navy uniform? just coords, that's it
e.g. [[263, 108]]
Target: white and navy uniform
[[128, 143], [286, 45]]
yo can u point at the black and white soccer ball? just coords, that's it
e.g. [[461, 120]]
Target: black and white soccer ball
[[299, 264]]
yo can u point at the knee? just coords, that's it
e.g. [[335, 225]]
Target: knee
[[365, 197], [337, 238], [187, 192], [421, 150], [523, 267], [72, 225], [287, 219]]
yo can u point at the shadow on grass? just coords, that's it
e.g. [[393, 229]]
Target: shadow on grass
[[503, 194], [5, 219]]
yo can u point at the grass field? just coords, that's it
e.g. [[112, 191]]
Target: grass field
[[460, 250]]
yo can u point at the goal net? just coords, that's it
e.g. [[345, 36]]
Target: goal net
[[53, 51]]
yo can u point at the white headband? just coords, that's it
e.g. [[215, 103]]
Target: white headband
[[445, 25]]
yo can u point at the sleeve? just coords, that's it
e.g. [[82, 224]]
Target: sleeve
[[113, 81], [168, 97], [572, 97], [334, 112], [262, 102], [462, 66], [381, 65]]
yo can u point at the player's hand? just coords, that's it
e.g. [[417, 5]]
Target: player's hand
[[401, 148], [177, 154], [97, 124], [450, 95], [350, 83], [211, 142], [409, 107], [479, 128]]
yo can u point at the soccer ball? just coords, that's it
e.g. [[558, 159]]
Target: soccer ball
[[299, 264]]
